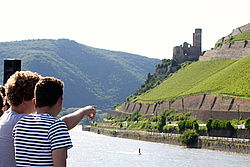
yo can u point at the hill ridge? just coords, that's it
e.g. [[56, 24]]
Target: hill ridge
[[91, 75]]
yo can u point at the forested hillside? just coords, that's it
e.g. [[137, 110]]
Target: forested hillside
[[91, 75]]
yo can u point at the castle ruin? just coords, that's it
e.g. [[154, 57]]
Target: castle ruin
[[187, 52]]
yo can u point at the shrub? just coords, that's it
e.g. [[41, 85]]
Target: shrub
[[161, 123], [187, 124], [134, 117], [154, 119], [195, 125], [189, 136], [228, 125], [208, 124], [215, 124], [165, 128], [172, 116], [169, 129], [247, 124], [145, 125], [181, 125]]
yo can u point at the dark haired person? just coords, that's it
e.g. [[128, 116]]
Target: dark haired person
[[41, 139], [20, 92]]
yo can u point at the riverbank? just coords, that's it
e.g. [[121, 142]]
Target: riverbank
[[205, 142]]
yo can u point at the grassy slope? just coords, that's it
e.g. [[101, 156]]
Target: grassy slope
[[219, 77]]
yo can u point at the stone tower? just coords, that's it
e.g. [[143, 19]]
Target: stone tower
[[187, 52], [197, 39]]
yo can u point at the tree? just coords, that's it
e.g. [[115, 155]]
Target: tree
[[189, 137]]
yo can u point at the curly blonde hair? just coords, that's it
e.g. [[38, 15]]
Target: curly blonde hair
[[20, 86]]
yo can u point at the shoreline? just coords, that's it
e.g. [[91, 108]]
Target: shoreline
[[231, 145]]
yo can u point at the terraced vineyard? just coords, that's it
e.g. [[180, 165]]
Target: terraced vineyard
[[217, 77]]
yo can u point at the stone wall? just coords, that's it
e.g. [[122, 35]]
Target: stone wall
[[222, 54], [163, 106], [193, 102], [213, 143], [241, 29], [234, 50], [235, 45], [204, 115], [202, 107], [236, 31], [117, 114]]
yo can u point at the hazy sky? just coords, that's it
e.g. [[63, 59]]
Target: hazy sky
[[146, 27]]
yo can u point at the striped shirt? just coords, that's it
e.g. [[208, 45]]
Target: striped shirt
[[36, 136]]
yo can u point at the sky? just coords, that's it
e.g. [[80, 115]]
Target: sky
[[149, 28]]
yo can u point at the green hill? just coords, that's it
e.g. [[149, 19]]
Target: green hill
[[91, 75], [217, 77]]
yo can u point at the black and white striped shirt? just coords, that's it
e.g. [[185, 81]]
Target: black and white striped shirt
[[36, 136]]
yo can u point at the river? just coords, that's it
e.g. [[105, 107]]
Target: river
[[93, 150]]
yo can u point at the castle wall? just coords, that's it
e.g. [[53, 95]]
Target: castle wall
[[178, 54], [194, 53]]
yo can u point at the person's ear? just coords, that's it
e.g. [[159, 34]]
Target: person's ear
[[60, 100], [34, 100]]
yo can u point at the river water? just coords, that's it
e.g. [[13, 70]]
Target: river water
[[94, 150]]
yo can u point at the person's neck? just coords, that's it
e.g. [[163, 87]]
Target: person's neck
[[20, 109], [44, 110]]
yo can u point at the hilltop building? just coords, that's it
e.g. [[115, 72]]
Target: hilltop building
[[187, 52]]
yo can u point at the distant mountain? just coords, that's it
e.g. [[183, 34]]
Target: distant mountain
[[91, 75]]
